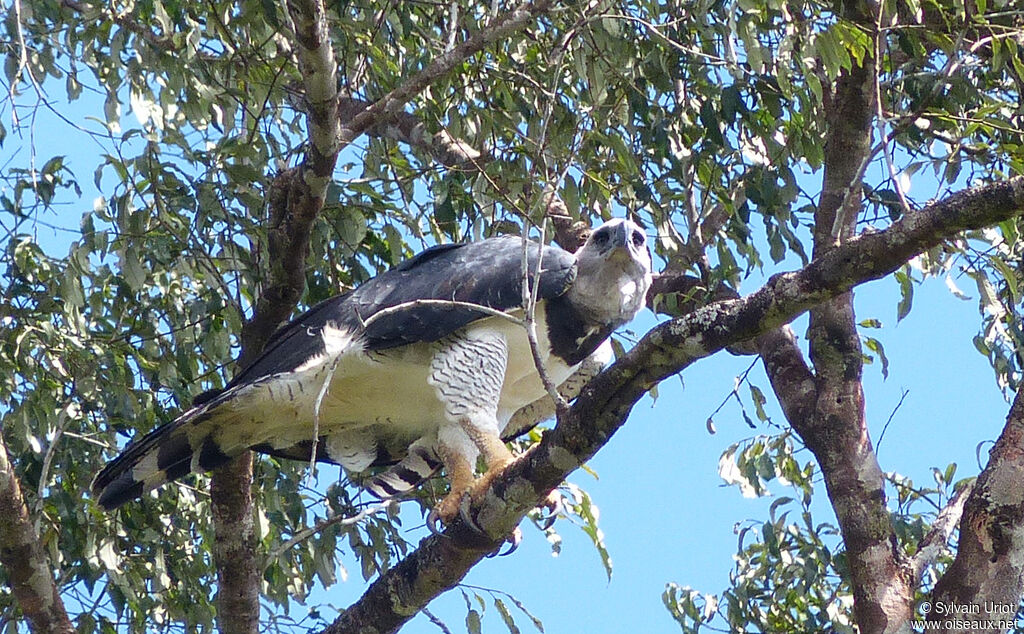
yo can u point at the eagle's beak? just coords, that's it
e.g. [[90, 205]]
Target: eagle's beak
[[622, 246], [621, 253]]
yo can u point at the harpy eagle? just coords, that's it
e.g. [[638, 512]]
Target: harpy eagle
[[387, 379]]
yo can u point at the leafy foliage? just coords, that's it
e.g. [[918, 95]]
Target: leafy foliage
[[702, 119]]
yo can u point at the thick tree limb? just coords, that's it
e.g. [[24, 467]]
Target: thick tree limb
[[234, 548], [22, 556], [835, 429], [988, 572], [791, 379], [441, 561]]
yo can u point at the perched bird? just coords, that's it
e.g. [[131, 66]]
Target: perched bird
[[413, 370]]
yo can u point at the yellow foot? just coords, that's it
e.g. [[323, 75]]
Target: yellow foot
[[448, 507], [493, 471]]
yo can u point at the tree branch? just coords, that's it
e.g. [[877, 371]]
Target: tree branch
[[442, 560], [234, 547], [835, 428], [791, 379], [408, 128], [988, 571], [161, 42], [22, 556], [935, 541], [392, 103]]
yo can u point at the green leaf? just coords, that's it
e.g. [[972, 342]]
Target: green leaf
[[522, 608], [710, 122], [906, 293], [759, 401], [132, 270], [588, 512], [270, 13], [875, 346], [506, 616], [473, 622]]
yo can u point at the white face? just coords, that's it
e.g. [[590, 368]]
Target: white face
[[618, 240], [614, 271]]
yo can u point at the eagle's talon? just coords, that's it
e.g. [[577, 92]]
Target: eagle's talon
[[554, 505], [513, 542], [544, 523], [443, 514], [434, 521], [468, 518]]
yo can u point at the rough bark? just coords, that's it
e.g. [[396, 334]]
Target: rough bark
[[234, 548], [21, 553], [986, 580], [408, 128], [441, 561], [836, 429]]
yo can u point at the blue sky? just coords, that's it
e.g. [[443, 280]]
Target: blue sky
[[664, 510]]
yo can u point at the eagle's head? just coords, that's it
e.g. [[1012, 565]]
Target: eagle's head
[[613, 273]]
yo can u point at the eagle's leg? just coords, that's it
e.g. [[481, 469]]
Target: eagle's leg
[[468, 371], [496, 455], [460, 476]]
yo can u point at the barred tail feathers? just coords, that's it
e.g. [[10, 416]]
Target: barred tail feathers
[[166, 454], [417, 466], [273, 408]]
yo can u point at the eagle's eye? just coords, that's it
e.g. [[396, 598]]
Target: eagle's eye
[[601, 238], [638, 239]]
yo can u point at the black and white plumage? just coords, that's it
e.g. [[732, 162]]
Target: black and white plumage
[[389, 379]]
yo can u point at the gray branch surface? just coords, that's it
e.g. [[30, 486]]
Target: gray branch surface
[[988, 572]]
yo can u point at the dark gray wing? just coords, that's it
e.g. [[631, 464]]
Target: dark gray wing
[[487, 273]]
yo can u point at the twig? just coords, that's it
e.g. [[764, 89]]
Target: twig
[[505, 24], [340, 520], [880, 111], [44, 476], [436, 621], [416, 303], [530, 305], [932, 544], [903, 396], [735, 393], [316, 411]]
